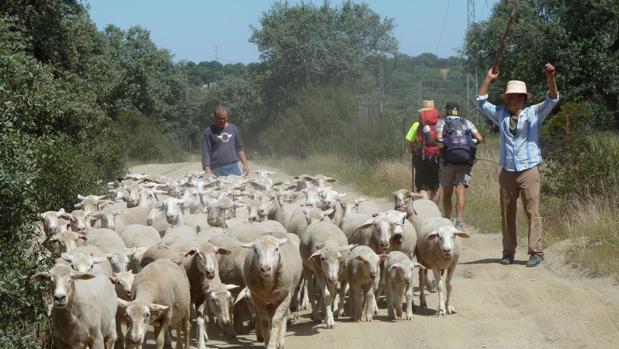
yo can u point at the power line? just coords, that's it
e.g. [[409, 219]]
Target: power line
[[440, 37]]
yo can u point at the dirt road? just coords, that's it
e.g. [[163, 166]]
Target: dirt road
[[497, 306]]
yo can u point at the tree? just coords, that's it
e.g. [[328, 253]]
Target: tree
[[580, 37], [304, 45]]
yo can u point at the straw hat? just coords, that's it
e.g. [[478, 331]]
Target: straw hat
[[516, 86], [426, 105]]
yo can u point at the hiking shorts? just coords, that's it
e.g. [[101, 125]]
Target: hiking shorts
[[451, 175], [426, 174]]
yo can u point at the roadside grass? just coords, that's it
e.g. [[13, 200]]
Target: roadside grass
[[590, 223]]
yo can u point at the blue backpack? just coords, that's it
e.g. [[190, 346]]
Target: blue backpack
[[459, 147]]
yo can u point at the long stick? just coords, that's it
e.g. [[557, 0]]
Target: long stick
[[413, 170], [503, 45]]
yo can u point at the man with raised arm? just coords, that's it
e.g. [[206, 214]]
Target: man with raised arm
[[520, 157]]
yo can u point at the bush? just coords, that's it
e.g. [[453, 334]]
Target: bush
[[327, 121], [586, 164], [145, 140]]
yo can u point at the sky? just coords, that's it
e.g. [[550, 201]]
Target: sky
[[205, 30]]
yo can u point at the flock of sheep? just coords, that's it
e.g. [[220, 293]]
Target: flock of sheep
[[236, 250]]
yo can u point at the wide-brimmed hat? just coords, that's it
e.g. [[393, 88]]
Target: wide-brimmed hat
[[515, 87], [426, 104]]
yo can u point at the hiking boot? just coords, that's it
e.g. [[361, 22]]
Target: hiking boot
[[507, 259], [534, 260]]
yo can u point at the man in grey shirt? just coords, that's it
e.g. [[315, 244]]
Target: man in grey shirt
[[222, 147]]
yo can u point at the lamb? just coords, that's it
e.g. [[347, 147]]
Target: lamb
[[438, 249], [84, 308], [363, 275], [397, 280], [322, 248], [272, 271], [161, 295]]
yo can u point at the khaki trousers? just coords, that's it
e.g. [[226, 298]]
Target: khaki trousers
[[527, 184]]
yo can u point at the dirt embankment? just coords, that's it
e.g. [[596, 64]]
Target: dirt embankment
[[497, 306]]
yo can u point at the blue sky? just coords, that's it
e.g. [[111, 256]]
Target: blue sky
[[197, 30]]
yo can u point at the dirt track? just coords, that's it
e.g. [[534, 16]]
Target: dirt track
[[497, 306]]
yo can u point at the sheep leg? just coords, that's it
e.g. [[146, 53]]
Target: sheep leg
[[439, 289], [262, 323], [369, 301], [278, 324], [179, 342], [187, 332], [120, 342], [409, 301], [450, 272], [422, 286], [97, 342], [162, 335], [307, 276], [390, 301], [397, 298], [202, 335], [357, 302], [342, 299], [326, 301], [377, 293]]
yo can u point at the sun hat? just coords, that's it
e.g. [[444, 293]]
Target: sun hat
[[426, 104], [517, 87]]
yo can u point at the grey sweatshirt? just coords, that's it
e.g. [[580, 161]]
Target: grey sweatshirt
[[221, 146]]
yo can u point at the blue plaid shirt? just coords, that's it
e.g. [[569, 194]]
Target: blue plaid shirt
[[521, 151]]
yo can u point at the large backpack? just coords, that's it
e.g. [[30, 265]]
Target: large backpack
[[459, 147], [428, 148]]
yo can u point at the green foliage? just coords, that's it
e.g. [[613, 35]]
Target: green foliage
[[327, 121], [580, 37], [147, 139], [586, 165], [305, 45]]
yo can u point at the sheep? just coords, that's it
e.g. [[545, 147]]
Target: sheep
[[67, 240], [299, 220], [438, 249], [88, 259], [363, 205], [78, 220], [397, 280], [118, 220], [272, 271], [248, 232], [404, 240], [157, 252], [220, 304], [375, 232], [89, 203], [363, 276], [53, 221], [420, 210], [138, 238], [200, 263], [270, 207], [322, 248], [161, 295], [113, 246], [84, 308], [216, 211], [156, 218]]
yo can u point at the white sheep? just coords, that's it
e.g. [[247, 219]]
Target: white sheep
[[111, 244], [375, 232], [161, 296], [397, 281], [84, 308], [438, 249], [220, 305], [272, 271], [324, 249], [363, 276]]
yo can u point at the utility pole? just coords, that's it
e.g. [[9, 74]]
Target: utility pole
[[470, 19]]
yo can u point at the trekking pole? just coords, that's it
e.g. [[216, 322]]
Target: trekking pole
[[413, 171], [503, 43]]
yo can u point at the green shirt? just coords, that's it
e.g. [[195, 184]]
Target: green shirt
[[411, 136]]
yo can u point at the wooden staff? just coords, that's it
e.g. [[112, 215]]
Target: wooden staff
[[503, 44]]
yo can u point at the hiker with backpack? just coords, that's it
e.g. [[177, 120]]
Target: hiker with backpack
[[520, 157], [457, 137], [421, 141]]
